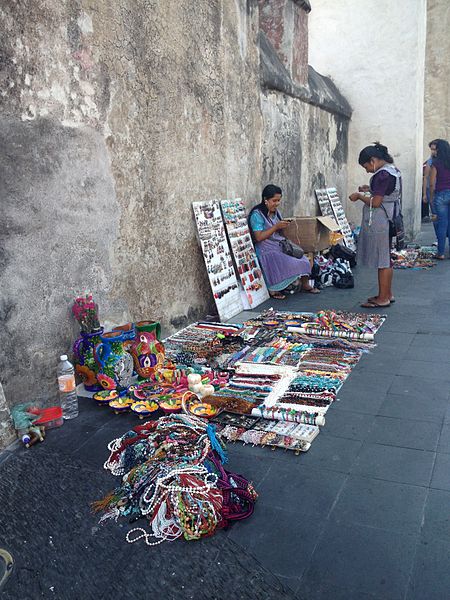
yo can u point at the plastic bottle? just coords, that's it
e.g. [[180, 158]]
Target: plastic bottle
[[67, 390]]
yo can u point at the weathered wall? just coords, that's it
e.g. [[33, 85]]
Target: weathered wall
[[305, 127], [115, 117], [437, 73], [7, 433], [375, 54]]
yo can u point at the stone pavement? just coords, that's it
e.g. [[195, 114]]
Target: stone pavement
[[363, 515]]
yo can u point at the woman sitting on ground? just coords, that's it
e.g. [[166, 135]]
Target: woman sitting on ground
[[280, 270], [379, 198], [440, 193]]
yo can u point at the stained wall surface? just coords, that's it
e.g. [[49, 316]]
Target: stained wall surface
[[375, 53], [115, 117], [437, 73]]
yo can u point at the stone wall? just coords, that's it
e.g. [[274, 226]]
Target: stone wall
[[375, 53], [437, 73], [116, 117]]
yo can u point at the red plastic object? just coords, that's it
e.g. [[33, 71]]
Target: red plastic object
[[50, 417]]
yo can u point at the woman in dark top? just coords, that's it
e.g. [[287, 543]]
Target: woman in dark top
[[440, 193], [379, 198]]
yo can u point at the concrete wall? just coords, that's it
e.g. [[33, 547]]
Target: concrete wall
[[437, 73], [115, 118], [375, 54]]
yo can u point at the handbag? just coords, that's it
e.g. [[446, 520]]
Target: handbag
[[291, 249], [396, 226], [339, 251]]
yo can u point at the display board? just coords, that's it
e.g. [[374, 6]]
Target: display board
[[241, 243], [324, 203], [218, 260], [339, 215]]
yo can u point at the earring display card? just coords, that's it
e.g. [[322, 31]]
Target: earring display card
[[244, 252], [324, 203], [339, 215], [218, 261]]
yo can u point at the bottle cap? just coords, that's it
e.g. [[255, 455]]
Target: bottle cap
[[63, 357]]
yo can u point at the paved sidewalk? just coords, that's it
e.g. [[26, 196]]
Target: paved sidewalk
[[363, 515]]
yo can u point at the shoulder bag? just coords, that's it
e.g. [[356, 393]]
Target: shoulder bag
[[396, 226]]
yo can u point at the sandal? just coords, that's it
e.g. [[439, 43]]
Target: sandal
[[277, 295], [372, 298], [373, 304], [311, 290]]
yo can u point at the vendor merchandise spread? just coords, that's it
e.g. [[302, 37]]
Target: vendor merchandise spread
[[266, 382]]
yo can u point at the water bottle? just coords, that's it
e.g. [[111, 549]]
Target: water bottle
[[67, 391]]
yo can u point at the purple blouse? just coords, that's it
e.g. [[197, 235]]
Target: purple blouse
[[382, 184], [442, 176]]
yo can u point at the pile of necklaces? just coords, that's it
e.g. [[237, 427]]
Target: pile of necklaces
[[172, 475], [417, 257]]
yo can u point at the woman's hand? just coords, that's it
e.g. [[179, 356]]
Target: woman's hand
[[281, 225], [354, 197]]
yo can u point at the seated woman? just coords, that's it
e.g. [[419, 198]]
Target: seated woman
[[280, 270]]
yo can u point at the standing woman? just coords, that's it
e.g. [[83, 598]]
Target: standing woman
[[280, 270], [374, 244], [440, 193]]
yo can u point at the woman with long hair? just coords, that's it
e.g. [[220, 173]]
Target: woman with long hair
[[280, 270], [440, 193], [379, 198]]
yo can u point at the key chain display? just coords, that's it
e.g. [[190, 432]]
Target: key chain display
[[235, 219], [218, 261]]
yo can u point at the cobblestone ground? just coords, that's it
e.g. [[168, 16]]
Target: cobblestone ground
[[363, 515]]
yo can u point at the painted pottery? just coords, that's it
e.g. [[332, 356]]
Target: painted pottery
[[85, 365], [143, 409], [203, 409], [128, 332], [146, 349], [115, 365], [121, 404], [170, 404], [145, 391], [103, 398]]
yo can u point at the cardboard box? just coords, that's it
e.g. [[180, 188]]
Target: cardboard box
[[312, 233]]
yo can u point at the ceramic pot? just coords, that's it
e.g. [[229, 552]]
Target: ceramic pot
[[85, 365], [115, 365], [146, 349], [128, 331]]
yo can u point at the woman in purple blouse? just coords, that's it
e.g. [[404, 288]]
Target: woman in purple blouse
[[379, 198], [440, 193], [281, 272]]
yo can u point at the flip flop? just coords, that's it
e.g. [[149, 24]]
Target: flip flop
[[277, 295], [311, 291], [373, 298], [374, 305]]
